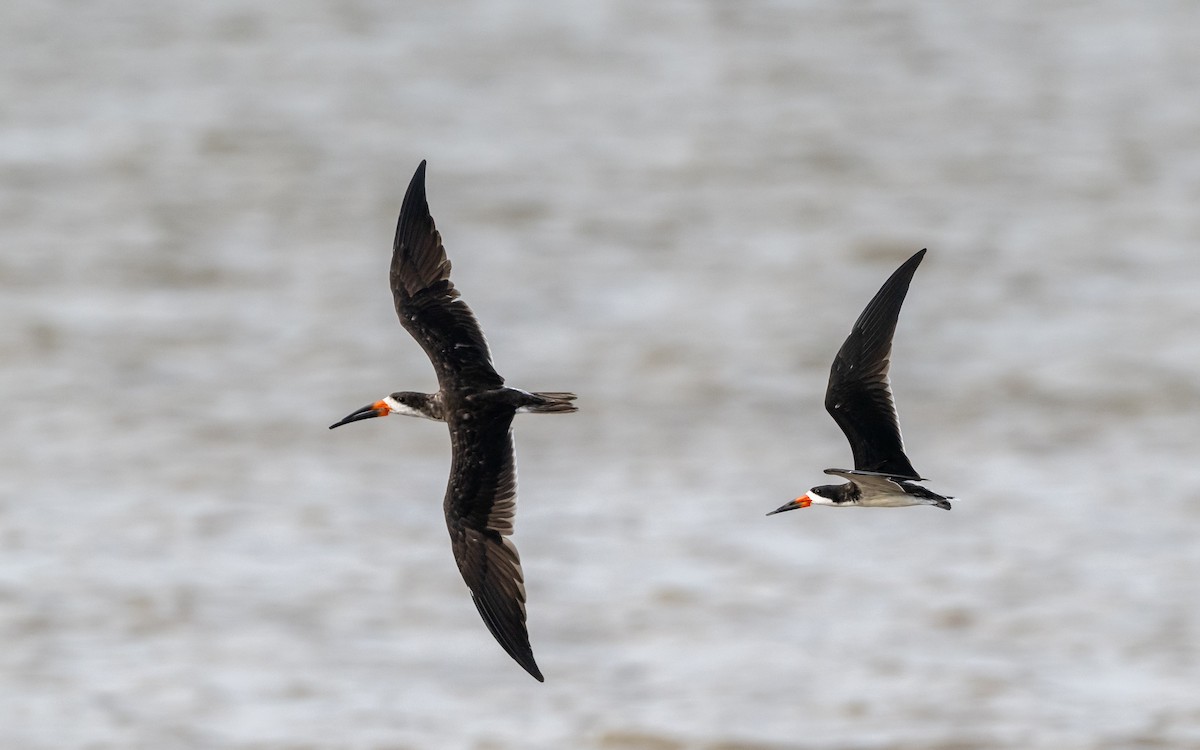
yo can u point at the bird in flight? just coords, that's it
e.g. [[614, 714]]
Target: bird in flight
[[859, 398], [481, 497]]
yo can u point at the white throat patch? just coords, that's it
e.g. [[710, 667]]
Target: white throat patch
[[399, 408], [819, 499]]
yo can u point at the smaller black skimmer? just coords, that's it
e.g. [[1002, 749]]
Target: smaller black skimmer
[[481, 498], [859, 398]]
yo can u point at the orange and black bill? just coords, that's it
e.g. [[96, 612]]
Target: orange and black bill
[[801, 502], [377, 409]]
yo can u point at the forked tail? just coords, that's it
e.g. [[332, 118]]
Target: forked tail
[[551, 402]]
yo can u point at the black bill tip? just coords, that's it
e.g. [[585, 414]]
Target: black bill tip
[[377, 409]]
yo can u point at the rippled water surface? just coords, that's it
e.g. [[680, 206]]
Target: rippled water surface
[[675, 209]]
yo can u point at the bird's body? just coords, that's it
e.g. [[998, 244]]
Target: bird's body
[[859, 398], [869, 490], [478, 409]]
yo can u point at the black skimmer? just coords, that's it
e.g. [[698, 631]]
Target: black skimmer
[[481, 497], [859, 398]]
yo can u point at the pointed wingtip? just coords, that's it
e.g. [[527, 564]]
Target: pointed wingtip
[[505, 620], [524, 659], [416, 189], [418, 177]]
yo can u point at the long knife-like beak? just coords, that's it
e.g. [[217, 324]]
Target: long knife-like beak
[[377, 409], [801, 502]]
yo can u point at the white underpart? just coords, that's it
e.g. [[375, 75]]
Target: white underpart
[[399, 408], [896, 500]]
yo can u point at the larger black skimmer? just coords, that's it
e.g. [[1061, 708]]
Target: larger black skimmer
[[473, 401], [859, 398]]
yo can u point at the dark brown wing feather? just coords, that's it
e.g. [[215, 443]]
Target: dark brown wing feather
[[859, 396], [427, 303], [480, 505]]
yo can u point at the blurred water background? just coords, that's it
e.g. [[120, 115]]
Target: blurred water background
[[675, 209]]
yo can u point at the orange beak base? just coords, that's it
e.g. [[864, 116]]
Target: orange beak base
[[801, 502], [377, 409]]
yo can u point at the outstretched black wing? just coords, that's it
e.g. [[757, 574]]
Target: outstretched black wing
[[480, 504], [427, 303], [859, 396]]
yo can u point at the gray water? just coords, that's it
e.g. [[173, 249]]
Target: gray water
[[675, 209]]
